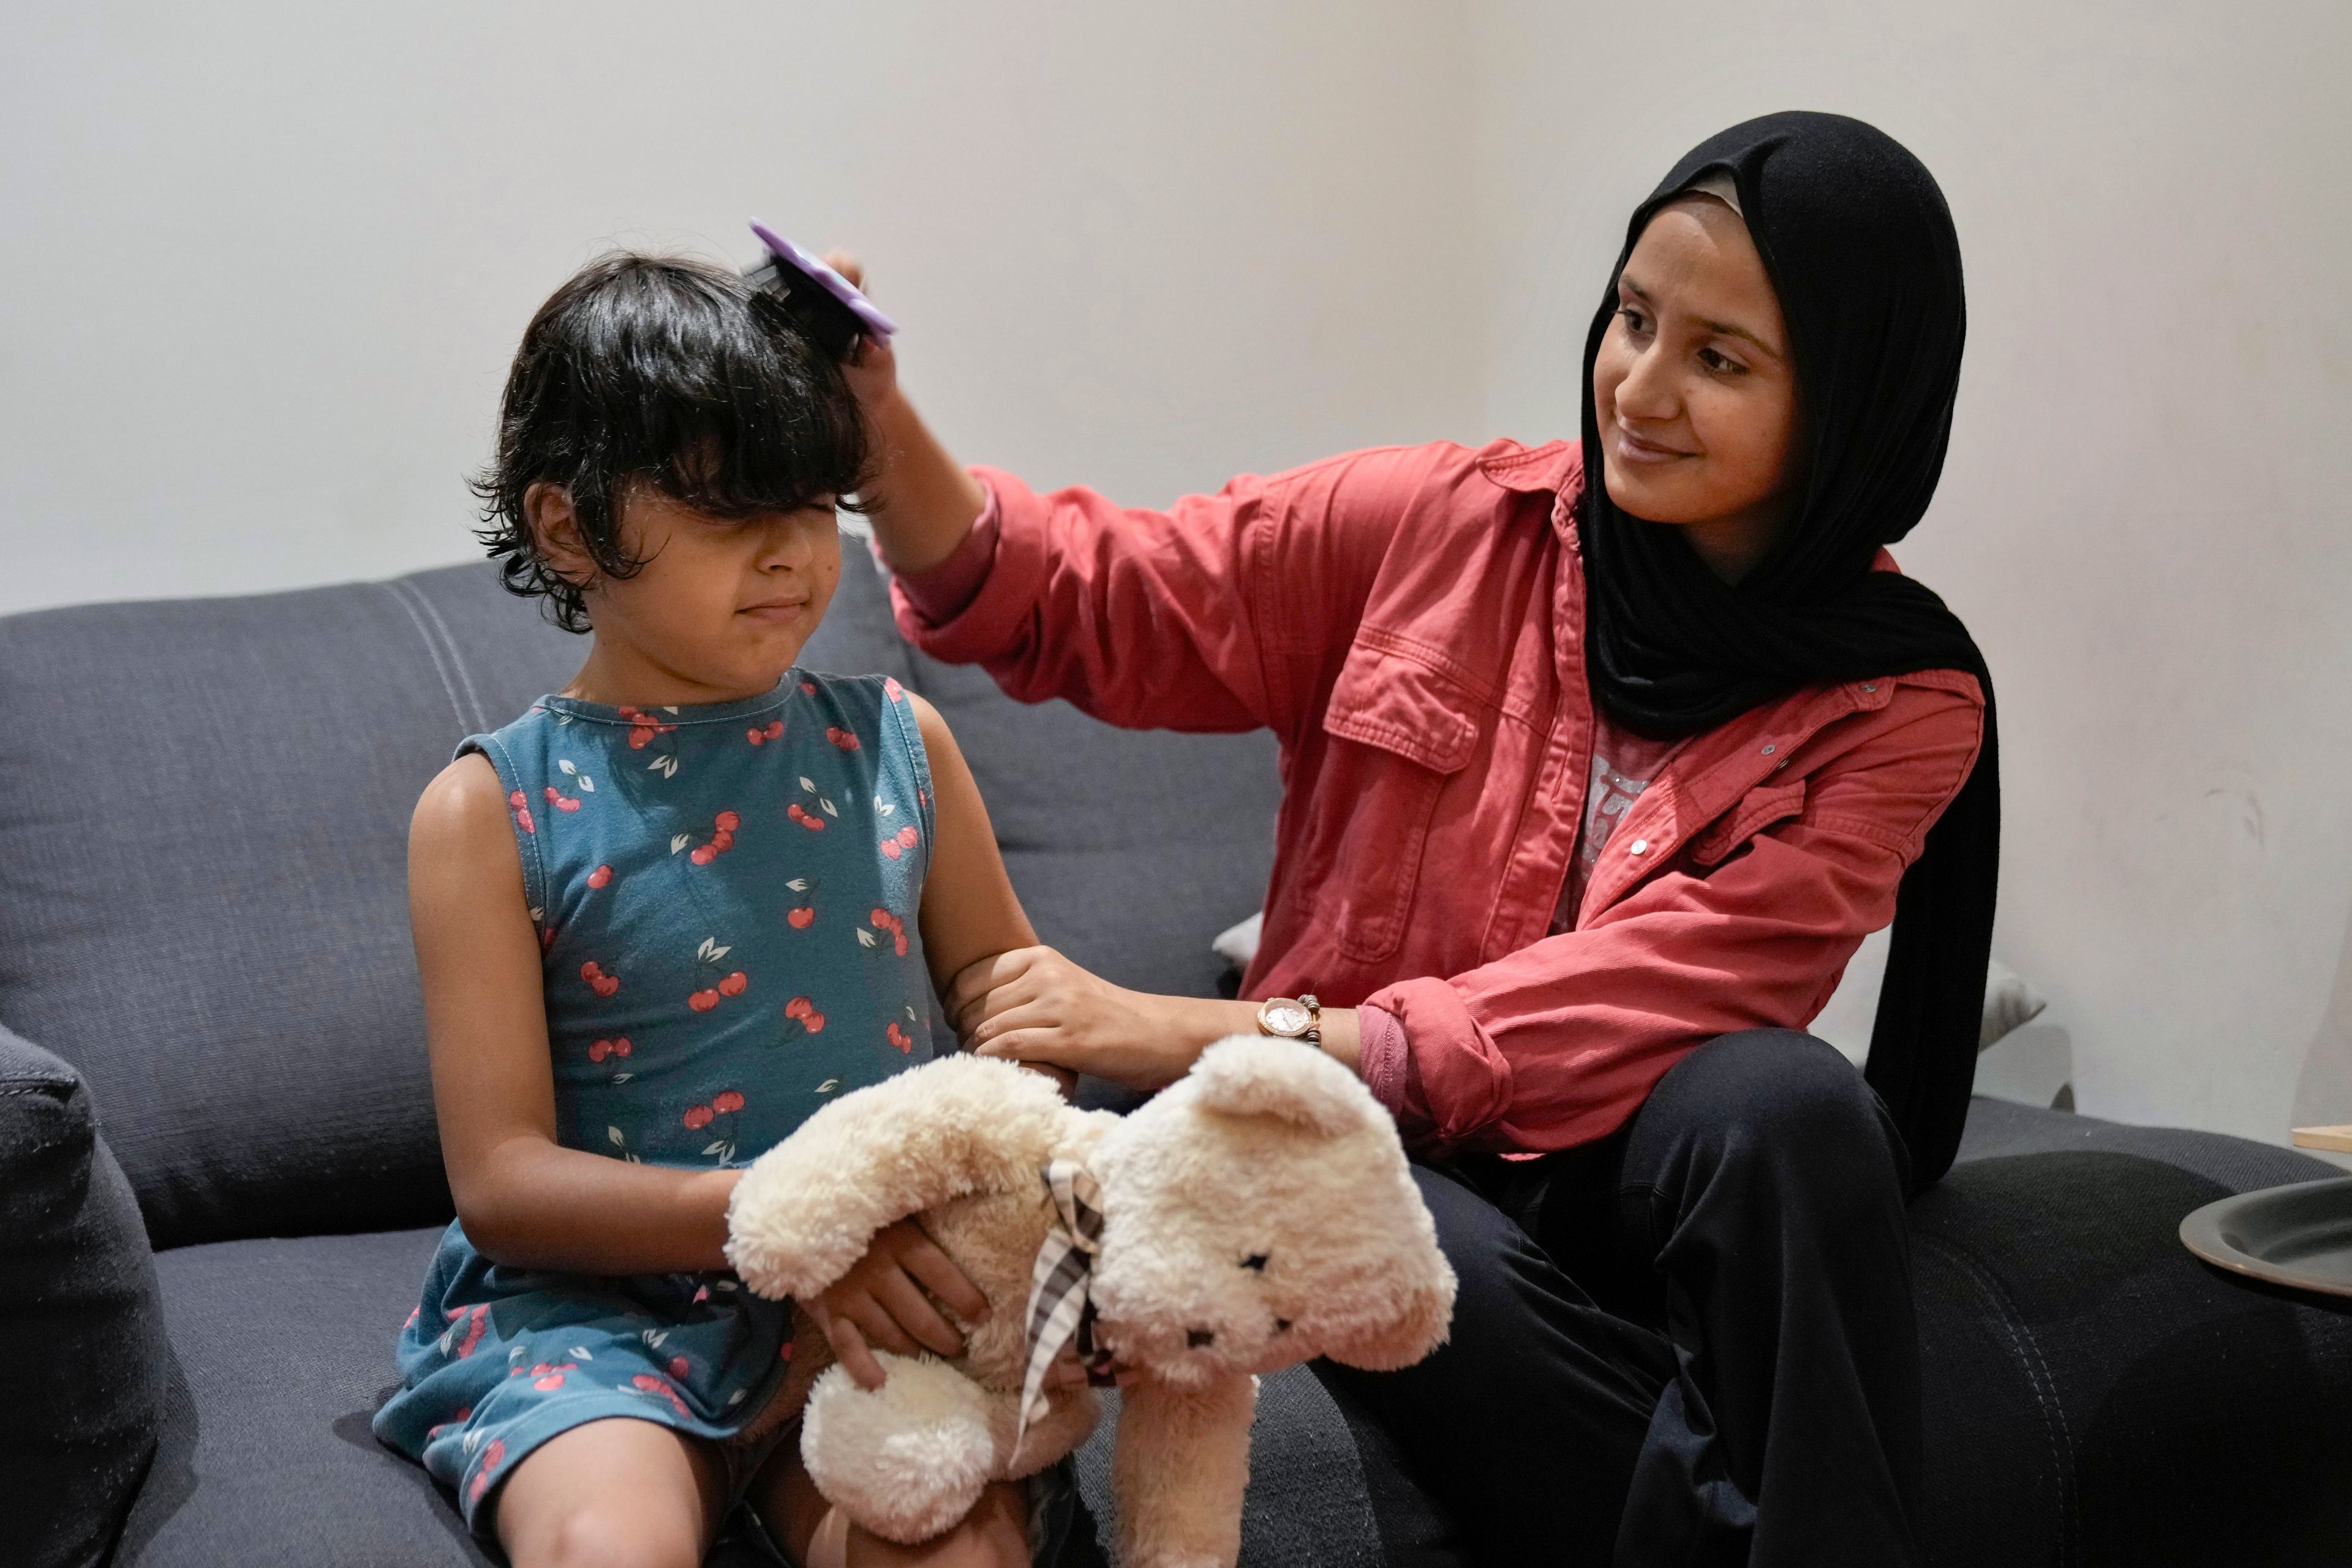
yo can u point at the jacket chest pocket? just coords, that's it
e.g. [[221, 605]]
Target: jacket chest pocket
[[1755, 810], [1399, 729]]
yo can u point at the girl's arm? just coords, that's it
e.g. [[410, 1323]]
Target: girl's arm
[[525, 1200], [970, 914]]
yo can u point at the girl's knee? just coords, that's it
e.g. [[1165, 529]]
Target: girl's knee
[[614, 1536]]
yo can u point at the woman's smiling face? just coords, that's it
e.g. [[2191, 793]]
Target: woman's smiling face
[[1695, 391]]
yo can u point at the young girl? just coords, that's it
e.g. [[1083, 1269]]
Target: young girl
[[660, 919]]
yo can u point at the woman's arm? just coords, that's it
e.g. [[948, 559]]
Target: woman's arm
[[1220, 614], [922, 502], [525, 1200], [1559, 1043], [1036, 1006], [1556, 1044]]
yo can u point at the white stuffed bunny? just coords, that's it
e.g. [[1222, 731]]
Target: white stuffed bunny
[[1255, 1214]]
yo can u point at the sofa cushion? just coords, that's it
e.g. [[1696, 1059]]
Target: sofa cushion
[[2095, 1395], [204, 813], [284, 1351], [203, 816], [77, 1300]]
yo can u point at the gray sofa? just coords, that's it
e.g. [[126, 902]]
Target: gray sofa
[[205, 976]]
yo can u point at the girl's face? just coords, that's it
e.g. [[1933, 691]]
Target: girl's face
[[720, 608], [1695, 394]]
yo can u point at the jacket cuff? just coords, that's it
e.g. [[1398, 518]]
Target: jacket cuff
[[1384, 1060], [1462, 1081], [992, 621], [942, 591]]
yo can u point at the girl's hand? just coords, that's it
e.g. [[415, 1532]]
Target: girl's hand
[[1033, 1005], [881, 1303], [873, 369]]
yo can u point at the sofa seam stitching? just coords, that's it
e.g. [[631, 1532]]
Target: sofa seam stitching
[[432, 650], [2037, 1372], [456, 651]]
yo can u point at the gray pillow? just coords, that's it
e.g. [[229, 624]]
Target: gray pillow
[[77, 1300]]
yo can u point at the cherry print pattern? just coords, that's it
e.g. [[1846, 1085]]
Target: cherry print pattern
[[643, 727], [617, 1047], [845, 739], [803, 1010], [558, 799], [647, 1382], [546, 1376], [723, 839], [759, 736], [898, 843], [494, 1452], [883, 920], [601, 878], [474, 1319], [803, 915], [522, 804], [733, 984], [599, 981], [891, 688]]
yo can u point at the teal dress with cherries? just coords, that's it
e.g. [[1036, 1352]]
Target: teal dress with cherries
[[726, 901]]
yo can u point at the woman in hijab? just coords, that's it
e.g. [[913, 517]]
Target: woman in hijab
[[1600, 759]]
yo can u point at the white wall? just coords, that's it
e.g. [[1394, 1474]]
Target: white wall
[[263, 270], [2143, 517], [265, 263]]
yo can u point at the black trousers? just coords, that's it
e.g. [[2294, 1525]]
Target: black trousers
[[1691, 1344]]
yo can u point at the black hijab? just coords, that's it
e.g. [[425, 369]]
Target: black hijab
[[1860, 248]]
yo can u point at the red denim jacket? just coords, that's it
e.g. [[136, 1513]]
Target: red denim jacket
[[1409, 622]]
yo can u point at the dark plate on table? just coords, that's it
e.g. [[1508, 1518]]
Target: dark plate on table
[[2299, 1237]]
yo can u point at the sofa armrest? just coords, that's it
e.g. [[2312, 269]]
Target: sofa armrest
[[78, 1288]]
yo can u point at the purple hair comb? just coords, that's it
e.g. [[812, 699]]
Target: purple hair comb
[[826, 302]]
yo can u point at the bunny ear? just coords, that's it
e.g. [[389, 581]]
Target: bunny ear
[[1251, 1075]]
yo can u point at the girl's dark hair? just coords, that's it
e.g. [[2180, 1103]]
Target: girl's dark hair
[[671, 372]]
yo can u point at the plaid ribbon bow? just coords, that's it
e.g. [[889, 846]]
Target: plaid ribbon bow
[[1059, 1307]]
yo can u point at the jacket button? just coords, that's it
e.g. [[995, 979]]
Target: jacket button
[[1770, 749], [1869, 686], [1639, 846]]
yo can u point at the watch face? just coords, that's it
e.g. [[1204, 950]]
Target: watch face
[[1286, 1017]]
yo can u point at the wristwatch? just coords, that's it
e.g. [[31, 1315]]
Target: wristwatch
[[1291, 1018]]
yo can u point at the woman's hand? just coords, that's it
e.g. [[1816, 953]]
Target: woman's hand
[[881, 1303], [920, 500], [873, 369], [1033, 1005]]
